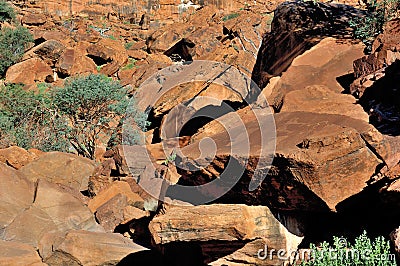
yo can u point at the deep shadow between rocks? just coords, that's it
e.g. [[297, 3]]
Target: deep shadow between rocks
[[382, 101]]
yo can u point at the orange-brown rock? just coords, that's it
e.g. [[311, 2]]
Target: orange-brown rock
[[395, 237], [49, 51], [16, 194], [51, 210], [29, 72], [92, 248], [119, 210], [34, 19], [225, 222], [110, 52], [63, 168], [16, 253], [115, 188], [17, 157], [296, 27], [74, 61], [377, 78], [317, 161]]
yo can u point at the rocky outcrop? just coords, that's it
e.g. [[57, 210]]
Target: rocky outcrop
[[74, 61], [92, 248], [62, 168], [296, 27], [314, 81], [16, 253], [229, 224], [109, 54], [17, 157], [29, 72], [376, 83], [49, 51], [52, 219]]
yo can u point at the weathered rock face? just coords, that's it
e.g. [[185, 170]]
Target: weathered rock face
[[296, 27], [74, 61], [92, 248], [377, 79], [29, 71], [17, 157], [16, 194], [44, 216], [63, 168], [229, 223], [53, 210], [109, 53], [311, 83], [49, 51], [15, 253], [315, 155], [395, 237]]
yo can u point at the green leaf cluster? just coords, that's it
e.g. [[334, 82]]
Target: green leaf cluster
[[76, 116], [6, 11], [13, 43], [367, 27], [364, 251]]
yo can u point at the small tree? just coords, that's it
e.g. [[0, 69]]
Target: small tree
[[93, 105], [6, 12], [29, 120], [13, 43]]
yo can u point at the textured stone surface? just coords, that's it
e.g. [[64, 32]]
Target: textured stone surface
[[91, 248], [222, 222], [15, 253], [63, 168]]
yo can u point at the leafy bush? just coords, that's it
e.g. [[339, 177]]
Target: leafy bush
[[6, 11], [92, 105], [13, 43], [366, 28], [28, 120], [363, 252], [230, 16], [75, 116], [129, 45], [131, 64]]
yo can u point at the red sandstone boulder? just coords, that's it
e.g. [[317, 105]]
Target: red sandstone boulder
[[29, 72]]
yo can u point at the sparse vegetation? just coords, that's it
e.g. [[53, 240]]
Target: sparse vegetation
[[362, 252], [6, 11], [131, 64], [129, 45], [32, 123], [230, 16], [13, 43], [170, 158], [366, 28], [74, 116], [91, 104]]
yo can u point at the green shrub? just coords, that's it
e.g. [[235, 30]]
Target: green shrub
[[230, 16], [28, 120], [92, 105], [128, 45], [131, 64], [6, 12], [75, 116], [366, 28], [13, 43], [362, 252]]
